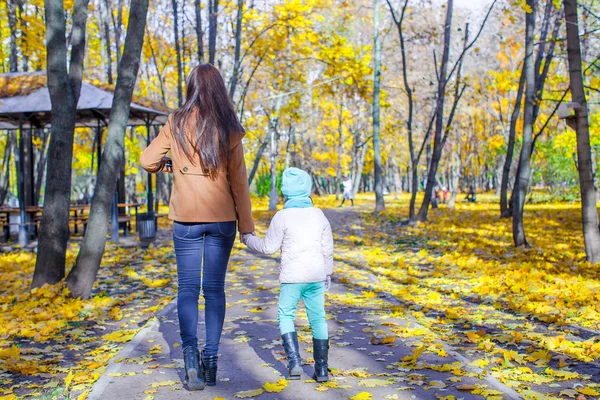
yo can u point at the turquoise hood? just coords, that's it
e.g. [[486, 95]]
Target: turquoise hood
[[296, 186]]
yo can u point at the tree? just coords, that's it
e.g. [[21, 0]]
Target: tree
[[12, 23], [377, 45], [213, 12], [441, 131], [439, 115], [177, 53], [505, 210], [238, 45], [64, 87], [589, 212], [199, 32], [524, 171], [82, 276]]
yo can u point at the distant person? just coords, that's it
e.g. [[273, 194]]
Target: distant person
[[445, 194], [210, 193], [471, 197], [435, 197], [348, 192], [303, 234]]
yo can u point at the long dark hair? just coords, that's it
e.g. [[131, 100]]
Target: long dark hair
[[208, 100]]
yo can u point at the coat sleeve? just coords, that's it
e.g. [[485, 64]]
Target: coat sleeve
[[327, 246], [272, 240], [238, 179], [152, 157]]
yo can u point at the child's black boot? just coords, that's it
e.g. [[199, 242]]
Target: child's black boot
[[292, 351], [193, 377], [320, 352], [209, 369]]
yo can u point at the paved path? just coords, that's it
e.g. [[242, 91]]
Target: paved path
[[151, 366]]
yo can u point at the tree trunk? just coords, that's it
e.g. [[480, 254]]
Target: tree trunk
[[5, 178], [379, 200], [340, 152], [64, 87], [199, 33], [107, 42], [178, 52], [118, 29], [273, 196], [213, 10], [24, 30], [12, 23], [259, 154], [522, 179], [589, 212], [273, 122], [505, 209], [82, 276], [439, 118], [238, 45]]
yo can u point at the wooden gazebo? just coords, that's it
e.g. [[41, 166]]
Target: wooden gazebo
[[25, 106]]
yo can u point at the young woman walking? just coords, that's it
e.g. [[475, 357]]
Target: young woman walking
[[209, 194]]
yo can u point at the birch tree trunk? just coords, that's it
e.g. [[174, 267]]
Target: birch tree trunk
[[64, 87], [589, 212], [522, 179], [107, 42], [178, 52], [238, 45], [379, 200], [82, 276], [274, 121], [505, 210], [12, 24]]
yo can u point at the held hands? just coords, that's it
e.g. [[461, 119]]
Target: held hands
[[244, 237], [328, 283]]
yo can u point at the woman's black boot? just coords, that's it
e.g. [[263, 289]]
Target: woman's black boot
[[292, 351], [209, 369], [193, 377], [320, 351]]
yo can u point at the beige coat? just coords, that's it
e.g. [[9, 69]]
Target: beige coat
[[197, 196]]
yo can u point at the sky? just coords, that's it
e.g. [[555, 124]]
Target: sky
[[473, 4]]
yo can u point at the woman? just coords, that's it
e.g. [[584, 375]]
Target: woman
[[209, 193]]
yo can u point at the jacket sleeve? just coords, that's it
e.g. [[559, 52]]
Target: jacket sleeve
[[238, 179], [327, 246], [152, 157], [272, 240]]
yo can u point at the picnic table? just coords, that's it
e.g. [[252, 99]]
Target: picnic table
[[79, 215]]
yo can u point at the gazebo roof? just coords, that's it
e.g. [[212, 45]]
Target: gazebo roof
[[24, 98]]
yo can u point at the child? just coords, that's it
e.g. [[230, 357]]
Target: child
[[303, 234]]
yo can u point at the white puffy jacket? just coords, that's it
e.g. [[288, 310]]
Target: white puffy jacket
[[306, 243]]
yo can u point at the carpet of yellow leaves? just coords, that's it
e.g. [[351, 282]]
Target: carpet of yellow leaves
[[528, 317], [53, 344]]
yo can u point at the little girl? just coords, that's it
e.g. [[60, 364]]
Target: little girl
[[303, 234]]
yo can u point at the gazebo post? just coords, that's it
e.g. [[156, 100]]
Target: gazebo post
[[23, 234], [114, 223], [150, 197], [99, 147]]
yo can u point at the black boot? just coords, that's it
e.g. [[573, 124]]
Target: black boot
[[193, 378], [209, 369], [292, 351], [320, 352]]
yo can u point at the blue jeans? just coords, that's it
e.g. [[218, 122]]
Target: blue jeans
[[198, 245]]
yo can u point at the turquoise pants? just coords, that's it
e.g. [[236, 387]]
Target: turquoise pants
[[313, 295]]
